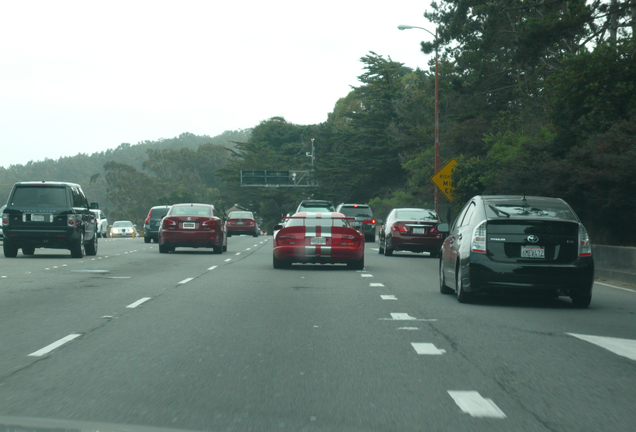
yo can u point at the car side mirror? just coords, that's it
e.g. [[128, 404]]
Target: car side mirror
[[94, 206], [443, 227]]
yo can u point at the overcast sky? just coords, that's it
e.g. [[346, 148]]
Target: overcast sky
[[86, 76]]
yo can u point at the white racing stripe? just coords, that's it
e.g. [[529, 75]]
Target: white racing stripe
[[47, 349], [138, 302], [474, 404]]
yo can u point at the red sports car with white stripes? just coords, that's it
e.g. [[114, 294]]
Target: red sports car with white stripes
[[322, 238]]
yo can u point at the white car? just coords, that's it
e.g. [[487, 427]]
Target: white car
[[123, 229], [102, 223]]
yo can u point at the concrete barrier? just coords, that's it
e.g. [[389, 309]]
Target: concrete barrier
[[615, 263]]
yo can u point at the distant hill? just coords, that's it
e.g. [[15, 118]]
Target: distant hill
[[81, 167]]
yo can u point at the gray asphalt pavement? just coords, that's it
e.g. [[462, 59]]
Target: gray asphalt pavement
[[197, 341]]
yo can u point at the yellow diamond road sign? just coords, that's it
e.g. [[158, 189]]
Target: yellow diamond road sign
[[442, 179]]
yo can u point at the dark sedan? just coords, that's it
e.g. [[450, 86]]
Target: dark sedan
[[411, 229], [505, 244], [192, 225]]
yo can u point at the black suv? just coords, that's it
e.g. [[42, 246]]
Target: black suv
[[153, 222], [49, 215], [363, 218]]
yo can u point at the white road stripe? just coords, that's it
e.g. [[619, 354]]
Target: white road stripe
[[376, 284], [138, 302], [622, 347], [211, 268], [427, 349], [47, 349], [403, 317], [229, 259], [472, 403], [185, 281], [366, 275], [615, 287], [388, 297]]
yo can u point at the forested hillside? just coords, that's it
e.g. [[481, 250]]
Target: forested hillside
[[89, 170]]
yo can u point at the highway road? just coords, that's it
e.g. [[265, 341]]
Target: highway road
[[196, 341]]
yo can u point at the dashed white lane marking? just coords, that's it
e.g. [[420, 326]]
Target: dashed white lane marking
[[376, 285], [403, 317], [408, 328], [118, 277], [89, 271], [615, 287], [238, 253], [471, 402], [47, 349], [185, 281], [229, 259], [622, 347], [422, 348], [212, 268], [248, 249], [388, 297], [366, 275], [138, 302]]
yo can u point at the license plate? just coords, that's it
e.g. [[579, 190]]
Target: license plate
[[318, 241], [240, 223], [37, 218], [188, 225], [419, 230], [532, 252]]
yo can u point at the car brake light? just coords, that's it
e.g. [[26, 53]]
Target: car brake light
[[478, 243], [208, 224], [369, 221], [169, 223], [148, 220], [349, 240], [585, 247], [286, 239], [5, 220], [434, 230], [72, 220], [399, 228]]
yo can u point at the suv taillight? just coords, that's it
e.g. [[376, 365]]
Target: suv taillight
[[369, 221], [147, 220], [73, 220], [585, 247], [5, 219], [478, 243]]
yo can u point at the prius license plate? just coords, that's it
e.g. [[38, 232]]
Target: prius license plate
[[532, 252], [188, 225], [419, 230], [318, 241]]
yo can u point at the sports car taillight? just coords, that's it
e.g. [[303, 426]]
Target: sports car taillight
[[585, 247], [478, 243], [399, 228], [349, 240], [286, 239], [169, 223]]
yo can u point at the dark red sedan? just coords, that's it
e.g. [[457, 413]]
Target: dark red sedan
[[241, 222], [323, 238], [192, 225], [411, 229]]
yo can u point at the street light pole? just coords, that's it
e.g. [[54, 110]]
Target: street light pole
[[406, 27]]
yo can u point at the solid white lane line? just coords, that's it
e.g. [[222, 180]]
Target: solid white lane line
[[622, 347], [427, 349], [185, 281], [138, 302], [615, 287], [47, 349], [472, 403], [212, 268], [388, 297]]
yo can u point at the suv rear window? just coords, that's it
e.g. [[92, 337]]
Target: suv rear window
[[159, 213], [352, 211], [39, 196]]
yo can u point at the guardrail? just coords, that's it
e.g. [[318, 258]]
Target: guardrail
[[615, 263]]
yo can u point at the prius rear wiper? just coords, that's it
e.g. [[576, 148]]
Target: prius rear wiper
[[499, 212]]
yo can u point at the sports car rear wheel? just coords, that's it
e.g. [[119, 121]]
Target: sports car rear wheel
[[280, 264], [357, 265]]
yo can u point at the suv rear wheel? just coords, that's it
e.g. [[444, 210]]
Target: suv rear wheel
[[77, 249], [91, 248], [10, 251]]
